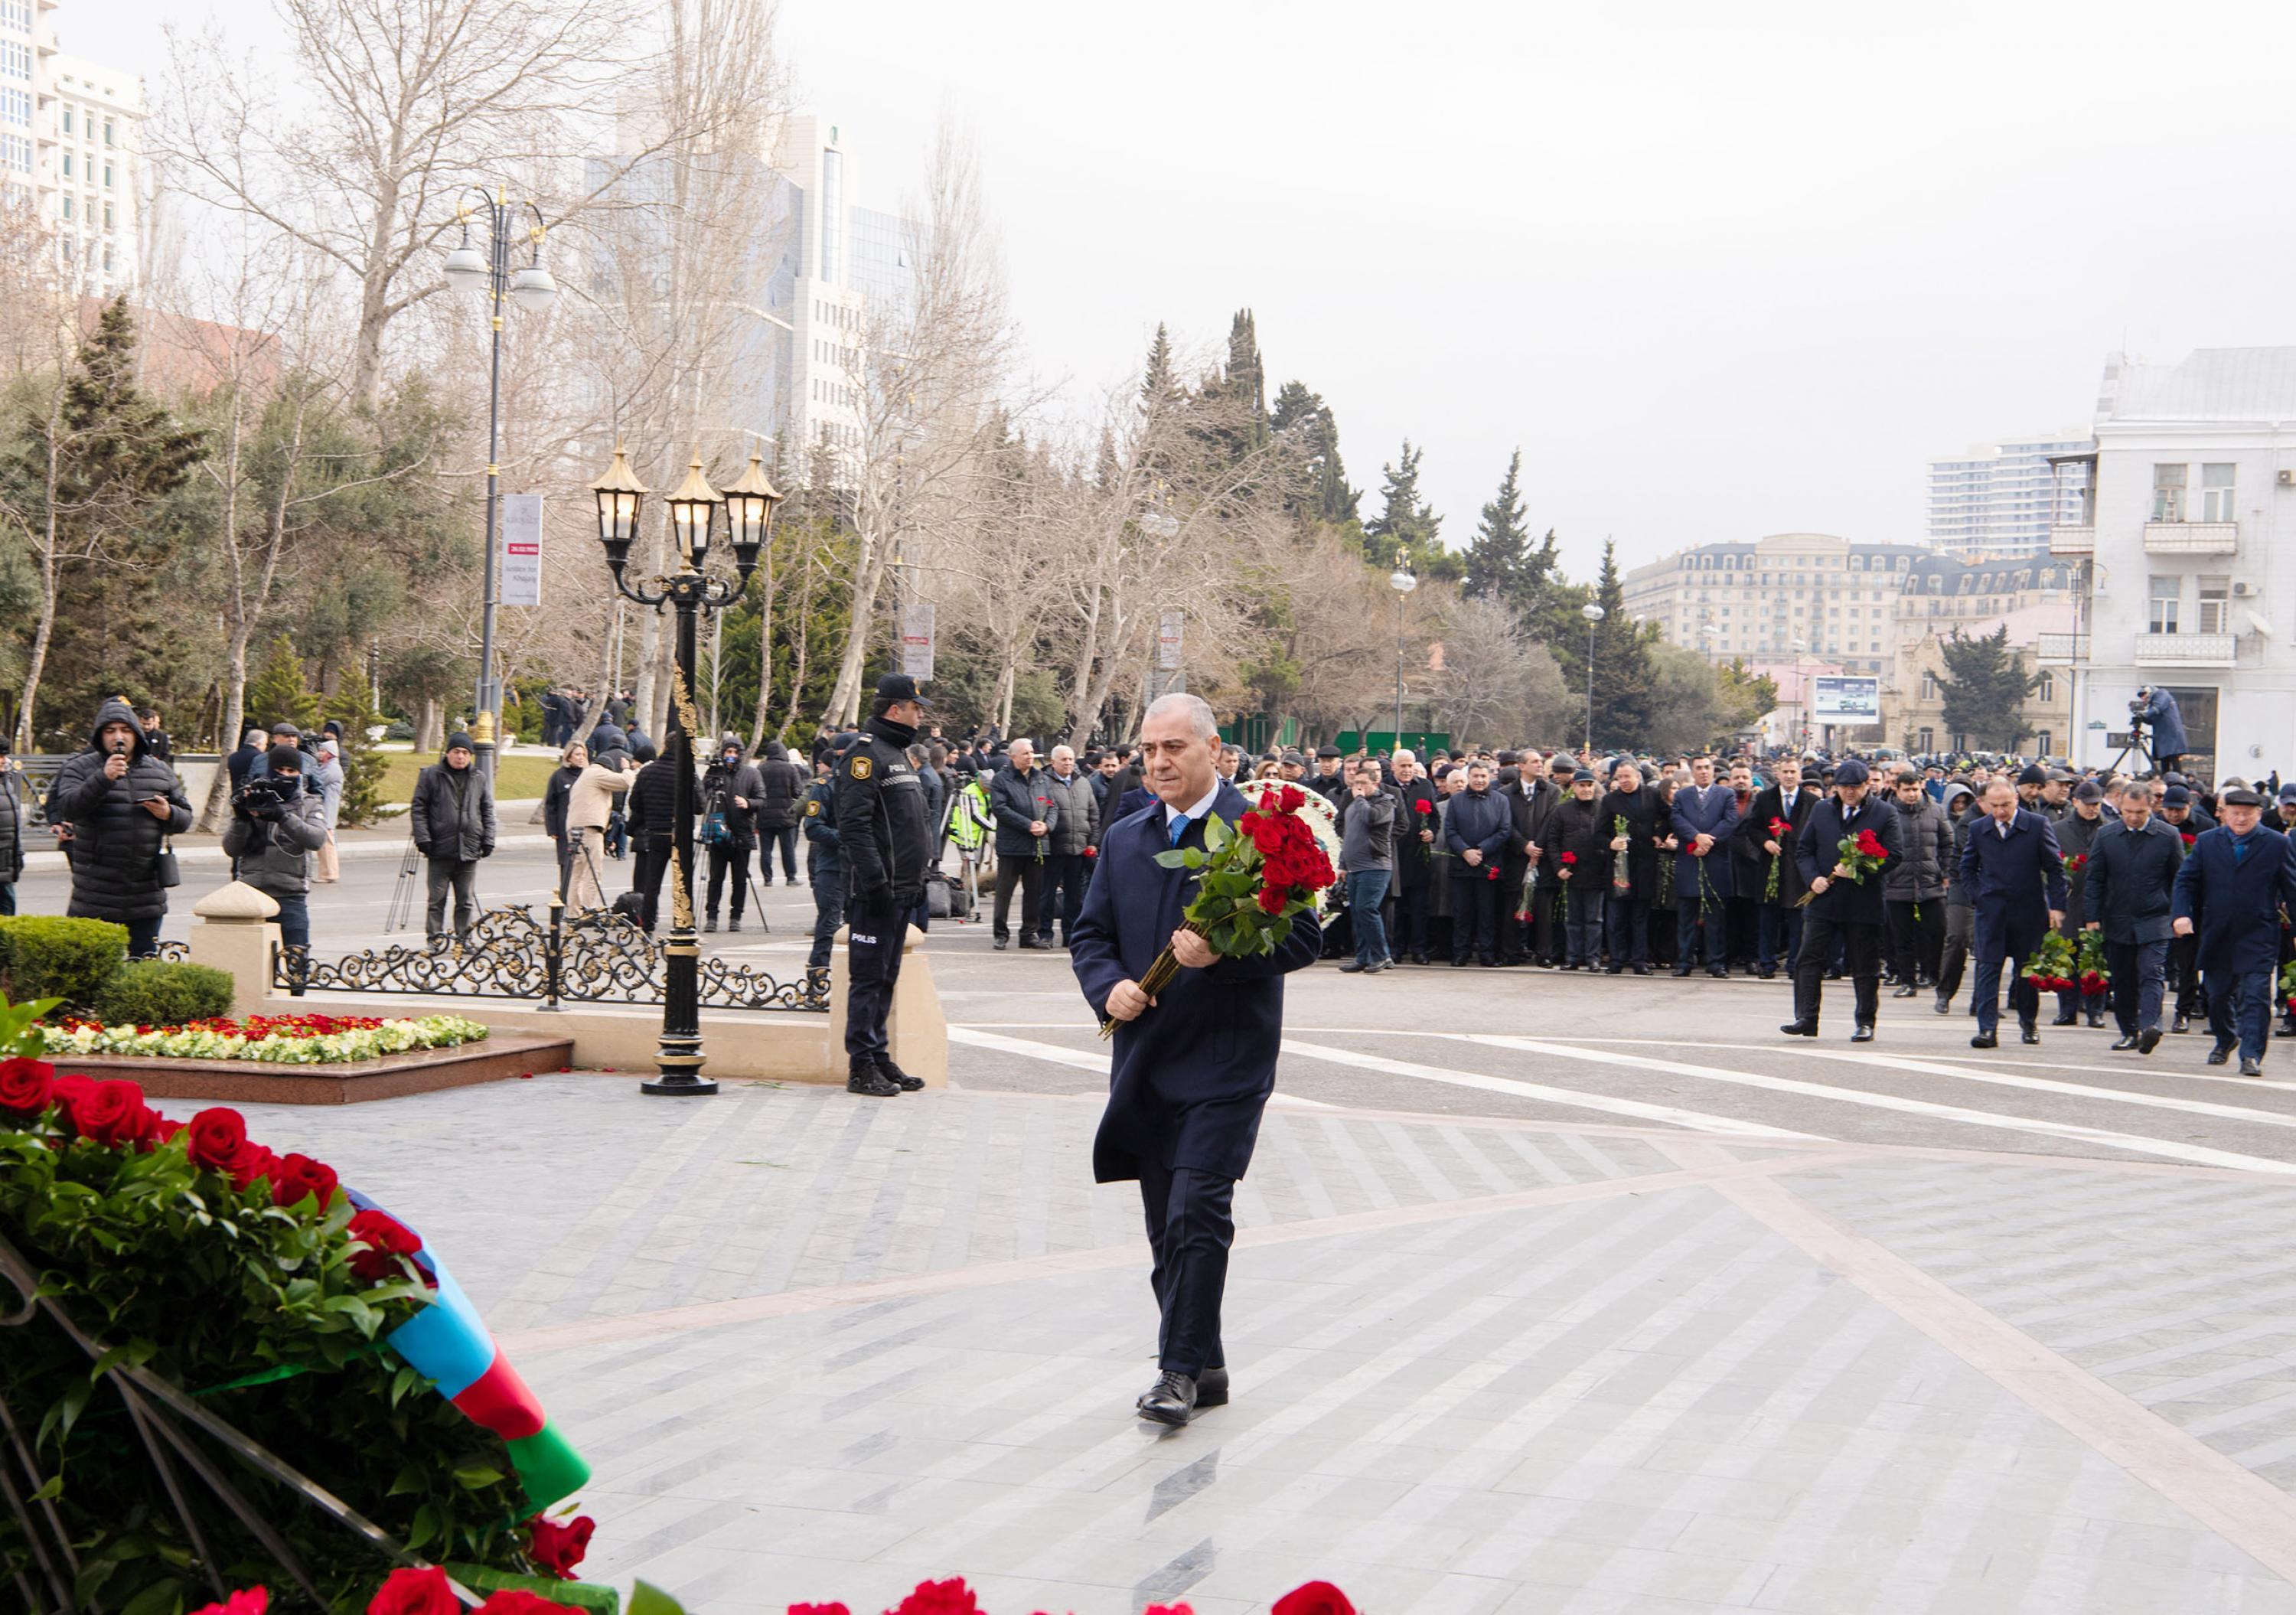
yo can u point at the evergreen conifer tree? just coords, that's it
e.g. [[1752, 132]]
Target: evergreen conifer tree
[[1406, 527], [1984, 686], [1499, 556], [1623, 676], [281, 690]]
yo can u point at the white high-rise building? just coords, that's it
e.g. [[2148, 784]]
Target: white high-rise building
[[71, 130], [1999, 500]]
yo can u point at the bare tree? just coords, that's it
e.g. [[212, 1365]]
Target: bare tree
[[1494, 682]]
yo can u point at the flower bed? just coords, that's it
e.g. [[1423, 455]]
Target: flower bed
[[302, 1313], [277, 1039]]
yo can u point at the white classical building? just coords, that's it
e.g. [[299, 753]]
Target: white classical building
[[2191, 479], [71, 131], [1788, 595]]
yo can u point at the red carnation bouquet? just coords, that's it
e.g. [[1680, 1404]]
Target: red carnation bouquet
[[1859, 855], [1272, 866], [2075, 861], [1780, 829]]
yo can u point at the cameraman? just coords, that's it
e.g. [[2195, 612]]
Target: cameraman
[[277, 824], [2155, 708]]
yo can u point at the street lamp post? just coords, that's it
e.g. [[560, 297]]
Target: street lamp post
[[1593, 613], [1402, 582], [532, 289], [1801, 698], [748, 504]]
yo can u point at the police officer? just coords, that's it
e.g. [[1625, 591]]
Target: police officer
[[824, 866], [883, 834]]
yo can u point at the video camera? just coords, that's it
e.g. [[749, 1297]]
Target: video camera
[[2140, 707], [265, 799]]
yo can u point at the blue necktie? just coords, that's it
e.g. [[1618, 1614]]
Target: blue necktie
[[1179, 827]]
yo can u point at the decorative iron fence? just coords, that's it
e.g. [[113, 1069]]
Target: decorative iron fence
[[598, 958]]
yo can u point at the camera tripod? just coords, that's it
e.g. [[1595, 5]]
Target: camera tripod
[[2139, 746]]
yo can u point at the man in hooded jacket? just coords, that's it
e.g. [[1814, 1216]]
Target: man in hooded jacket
[[119, 804]]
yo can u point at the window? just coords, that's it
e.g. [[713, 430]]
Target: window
[[68, 165], [2165, 594], [107, 176], [2216, 603], [2041, 743], [68, 206], [2216, 496], [1924, 739], [1929, 686], [2046, 689], [2168, 494], [67, 120], [107, 216], [107, 131]]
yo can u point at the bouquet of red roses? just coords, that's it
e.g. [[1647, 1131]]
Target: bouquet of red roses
[[1255, 877], [2075, 861], [1861, 855], [1779, 831], [2095, 972], [2052, 968]]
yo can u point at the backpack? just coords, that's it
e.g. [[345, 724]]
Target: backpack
[[944, 899]]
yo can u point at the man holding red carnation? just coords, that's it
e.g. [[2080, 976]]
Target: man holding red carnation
[[2014, 872], [1844, 902], [1194, 1065]]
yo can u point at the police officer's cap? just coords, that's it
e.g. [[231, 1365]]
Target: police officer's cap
[[900, 686]]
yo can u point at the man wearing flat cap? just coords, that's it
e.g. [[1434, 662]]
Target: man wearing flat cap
[[2229, 894], [2014, 875], [1842, 905], [883, 836]]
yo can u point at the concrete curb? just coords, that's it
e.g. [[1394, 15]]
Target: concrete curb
[[213, 857]]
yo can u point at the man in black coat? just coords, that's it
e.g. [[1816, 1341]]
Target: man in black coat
[[1025, 815], [2132, 877], [2015, 875], [884, 837], [1792, 801], [2191, 821], [1634, 865], [453, 820], [1578, 858], [1530, 803], [1842, 906], [2229, 893], [781, 782], [1475, 833], [119, 804], [1194, 1067]]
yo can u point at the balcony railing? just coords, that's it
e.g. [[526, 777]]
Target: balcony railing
[[2072, 541], [2185, 649], [2061, 649], [2191, 538]]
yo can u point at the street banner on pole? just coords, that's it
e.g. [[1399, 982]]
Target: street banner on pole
[[1167, 642], [521, 556], [917, 640]]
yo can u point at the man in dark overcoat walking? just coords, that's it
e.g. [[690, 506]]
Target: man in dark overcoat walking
[[2229, 894], [1850, 909], [2014, 872]]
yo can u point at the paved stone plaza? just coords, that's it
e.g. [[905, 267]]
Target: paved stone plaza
[[820, 1348]]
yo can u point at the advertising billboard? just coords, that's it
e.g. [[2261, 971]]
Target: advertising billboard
[[1845, 701]]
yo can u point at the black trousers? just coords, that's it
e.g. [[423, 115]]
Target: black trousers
[[873, 954], [2015, 945], [1582, 925], [1191, 1225], [828, 909], [1028, 874], [1407, 935], [1687, 930], [2138, 974], [1916, 944], [725, 857], [646, 873], [2185, 975], [1062, 897], [1516, 936], [1861, 946], [1960, 931], [1475, 918], [460, 876], [785, 838]]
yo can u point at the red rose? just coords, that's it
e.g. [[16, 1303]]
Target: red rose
[[1168, 1609], [26, 1086], [818, 1609], [950, 1597], [297, 1176], [414, 1592], [254, 1601], [386, 1239], [1291, 799], [1272, 899], [217, 1136], [517, 1601], [1316, 1598], [1571, 857], [2190, 836], [1422, 804], [1779, 827], [106, 1113], [559, 1548]]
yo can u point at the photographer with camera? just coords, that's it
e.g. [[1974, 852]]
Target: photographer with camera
[[2154, 708], [277, 821], [115, 805]]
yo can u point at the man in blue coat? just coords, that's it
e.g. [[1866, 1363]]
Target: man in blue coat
[[1841, 908], [2014, 875], [2132, 877], [1705, 816], [1194, 1066], [2229, 892], [2159, 714]]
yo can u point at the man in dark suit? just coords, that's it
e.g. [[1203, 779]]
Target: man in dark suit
[[1705, 816], [2132, 876], [1846, 908], [1194, 1067], [2229, 893], [1780, 921], [2015, 877]]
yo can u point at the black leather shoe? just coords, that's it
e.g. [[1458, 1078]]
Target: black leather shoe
[[1614, 970], [2096, 1019], [1864, 1034], [1642, 970], [734, 924], [1171, 1400], [2250, 1067], [2070, 1018], [709, 924], [1350, 966], [2221, 1054], [1421, 959], [899, 1078], [1719, 972], [868, 1080], [2027, 1032], [1031, 944], [1681, 970], [2183, 1023], [2148, 1040], [2121, 1045], [1985, 1040], [1211, 1389], [1458, 964], [1907, 991], [1767, 973], [1799, 1028]]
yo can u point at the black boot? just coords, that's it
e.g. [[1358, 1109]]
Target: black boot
[[899, 1078], [867, 1079], [709, 924], [734, 924]]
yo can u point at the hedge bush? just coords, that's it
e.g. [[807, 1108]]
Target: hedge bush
[[49, 957], [163, 992]]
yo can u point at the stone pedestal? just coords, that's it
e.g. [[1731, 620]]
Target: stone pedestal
[[236, 933], [916, 1031]]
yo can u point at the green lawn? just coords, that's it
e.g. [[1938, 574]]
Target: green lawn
[[516, 778]]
